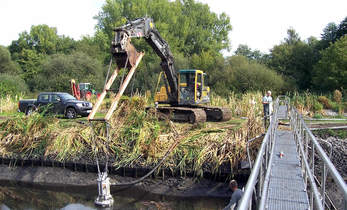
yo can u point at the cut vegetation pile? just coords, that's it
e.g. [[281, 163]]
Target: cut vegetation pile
[[137, 138]]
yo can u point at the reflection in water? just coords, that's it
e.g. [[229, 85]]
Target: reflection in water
[[19, 197]]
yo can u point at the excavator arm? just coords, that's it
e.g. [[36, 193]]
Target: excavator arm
[[125, 53]]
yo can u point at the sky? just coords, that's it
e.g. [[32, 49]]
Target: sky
[[260, 24]]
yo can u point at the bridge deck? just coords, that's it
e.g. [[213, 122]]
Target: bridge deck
[[286, 185]]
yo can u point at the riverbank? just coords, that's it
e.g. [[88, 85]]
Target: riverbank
[[60, 179]]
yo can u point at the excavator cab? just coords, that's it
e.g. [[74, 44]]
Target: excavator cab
[[192, 86]]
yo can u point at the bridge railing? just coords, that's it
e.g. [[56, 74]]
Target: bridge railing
[[257, 177], [310, 152]]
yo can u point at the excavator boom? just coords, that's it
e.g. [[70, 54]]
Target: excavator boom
[[125, 53], [183, 96]]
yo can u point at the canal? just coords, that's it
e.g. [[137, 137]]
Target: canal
[[36, 197]]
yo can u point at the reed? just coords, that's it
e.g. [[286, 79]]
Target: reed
[[138, 138]]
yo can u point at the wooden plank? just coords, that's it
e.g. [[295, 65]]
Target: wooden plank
[[123, 87], [103, 94]]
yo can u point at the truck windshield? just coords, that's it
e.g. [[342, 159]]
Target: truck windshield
[[67, 97]]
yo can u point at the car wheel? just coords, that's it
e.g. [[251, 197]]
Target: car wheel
[[29, 110], [71, 113]]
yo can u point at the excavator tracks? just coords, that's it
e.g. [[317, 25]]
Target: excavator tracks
[[195, 114], [217, 114]]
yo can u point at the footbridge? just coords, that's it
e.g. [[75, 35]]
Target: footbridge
[[292, 170]]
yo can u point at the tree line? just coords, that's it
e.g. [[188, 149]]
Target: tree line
[[43, 60]]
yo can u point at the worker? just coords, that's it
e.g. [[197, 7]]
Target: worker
[[267, 103], [235, 197]]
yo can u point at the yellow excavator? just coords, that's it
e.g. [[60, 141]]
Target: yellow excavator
[[184, 93]]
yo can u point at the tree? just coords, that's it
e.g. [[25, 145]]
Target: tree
[[97, 46], [6, 63], [330, 72], [41, 38], [329, 35], [188, 26], [295, 59], [341, 29], [58, 69], [30, 49], [12, 85], [251, 76], [293, 37], [246, 51]]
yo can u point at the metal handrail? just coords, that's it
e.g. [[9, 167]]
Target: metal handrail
[[263, 155], [303, 132], [302, 135]]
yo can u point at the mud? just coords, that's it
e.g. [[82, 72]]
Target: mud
[[62, 179]]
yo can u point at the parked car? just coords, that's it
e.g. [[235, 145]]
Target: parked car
[[57, 103]]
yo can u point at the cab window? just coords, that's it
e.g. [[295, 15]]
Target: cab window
[[199, 79], [188, 78], [55, 98], [44, 98]]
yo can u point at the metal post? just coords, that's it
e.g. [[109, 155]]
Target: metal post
[[323, 184], [312, 169], [306, 155]]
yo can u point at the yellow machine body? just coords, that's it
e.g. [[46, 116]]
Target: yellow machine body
[[192, 85]]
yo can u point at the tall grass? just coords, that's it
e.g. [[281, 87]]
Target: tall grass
[[138, 138], [310, 104], [9, 103]]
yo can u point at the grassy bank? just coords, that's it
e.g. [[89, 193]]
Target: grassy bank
[[138, 138], [316, 106]]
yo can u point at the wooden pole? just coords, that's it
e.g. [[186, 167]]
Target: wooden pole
[[103, 94], [123, 87]]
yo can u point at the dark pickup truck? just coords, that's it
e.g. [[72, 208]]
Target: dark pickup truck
[[58, 103]]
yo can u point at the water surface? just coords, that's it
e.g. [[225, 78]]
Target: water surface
[[15, 196]]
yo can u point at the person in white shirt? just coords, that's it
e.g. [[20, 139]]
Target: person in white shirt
[[267, 103]]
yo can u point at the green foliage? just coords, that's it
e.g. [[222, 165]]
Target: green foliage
[[248, 75], [6, 63], [31, 49], [333, 32], [246, 51], [317, 107], [97, 46], [325, 102], [295, 59], [59, 69], [188, 26], [43, 40], [12, 85], [317, 116], [325, 133], [337, 96], [330, 72]]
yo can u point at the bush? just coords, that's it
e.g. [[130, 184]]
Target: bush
[[317, 107], [337, 96], [326, 102], [59, 69], [252, 76], [12, 85], [317, 116]]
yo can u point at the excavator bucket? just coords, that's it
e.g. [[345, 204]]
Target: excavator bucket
[[127, 58]]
